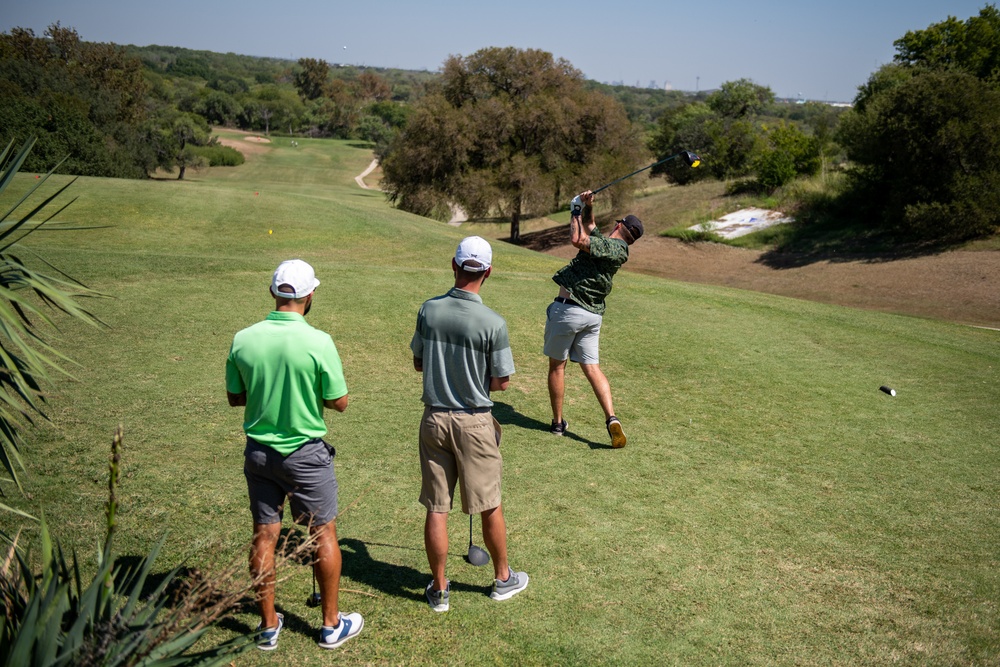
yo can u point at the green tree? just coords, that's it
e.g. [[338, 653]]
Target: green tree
[[679, 129], [787, 152], [725, 130], [373, 88], [972, 46], [311, 80], [923, 134], [219, 108], [512, 132], [927, 156], [740, 99], [84, 102]]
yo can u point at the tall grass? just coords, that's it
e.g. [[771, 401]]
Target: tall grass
[[772, 506]]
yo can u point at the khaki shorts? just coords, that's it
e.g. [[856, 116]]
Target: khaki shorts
[[460, 446]]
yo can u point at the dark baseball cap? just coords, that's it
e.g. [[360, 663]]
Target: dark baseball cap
[[633, 225]]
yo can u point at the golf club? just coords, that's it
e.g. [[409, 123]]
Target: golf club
[[315, 599], [689, 157], [477, 555]]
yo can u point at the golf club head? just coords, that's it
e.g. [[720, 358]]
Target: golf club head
[[314, 600], [692, 159], [477, 556]]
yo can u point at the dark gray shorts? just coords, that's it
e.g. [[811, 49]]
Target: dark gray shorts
[[305, 477]]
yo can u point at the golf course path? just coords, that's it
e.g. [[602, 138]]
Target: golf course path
[[360, 178], [458, 216]]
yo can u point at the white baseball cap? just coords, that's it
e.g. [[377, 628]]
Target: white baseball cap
[[476, 252], [296, 274]]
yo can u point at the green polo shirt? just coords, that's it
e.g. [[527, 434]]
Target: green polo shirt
[[588, 277], [462, 344], [287, 369]]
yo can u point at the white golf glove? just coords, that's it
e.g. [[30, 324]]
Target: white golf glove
[[576, 206]]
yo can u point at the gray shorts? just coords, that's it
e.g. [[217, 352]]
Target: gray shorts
[[572, 331], [305, 477]]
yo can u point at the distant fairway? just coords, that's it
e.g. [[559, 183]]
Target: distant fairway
[[772, 506]]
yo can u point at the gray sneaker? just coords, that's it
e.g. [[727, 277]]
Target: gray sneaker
[[438, 600], [516, 582]]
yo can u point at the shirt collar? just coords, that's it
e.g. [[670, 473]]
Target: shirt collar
[[285, 316], [464, 294]]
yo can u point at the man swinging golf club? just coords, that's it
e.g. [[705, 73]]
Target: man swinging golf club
[[462, 348], [573, 320]]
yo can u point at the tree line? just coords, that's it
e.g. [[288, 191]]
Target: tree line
[[508, 132]]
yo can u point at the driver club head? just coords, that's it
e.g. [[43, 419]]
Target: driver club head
[[477, 555], [692, 159], [314, 600]]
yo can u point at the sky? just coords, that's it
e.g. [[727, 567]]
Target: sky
[[813, 50]]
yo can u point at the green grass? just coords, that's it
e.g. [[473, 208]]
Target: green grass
[[772, 506]]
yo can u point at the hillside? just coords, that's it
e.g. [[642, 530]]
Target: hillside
[[772, 507], [957, 286]]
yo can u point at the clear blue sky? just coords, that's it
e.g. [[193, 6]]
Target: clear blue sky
[[821, 50]]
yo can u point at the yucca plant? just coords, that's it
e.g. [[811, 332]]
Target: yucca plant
[[60, 617], [27, 297]]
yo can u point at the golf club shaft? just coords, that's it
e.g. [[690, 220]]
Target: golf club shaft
[[470, 530], [637, 171]]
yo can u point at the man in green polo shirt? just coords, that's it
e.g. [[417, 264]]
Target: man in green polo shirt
[[284, 372], [573, 321], [462, 348]]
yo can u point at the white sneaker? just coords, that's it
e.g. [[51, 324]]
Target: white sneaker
[[349, 626]]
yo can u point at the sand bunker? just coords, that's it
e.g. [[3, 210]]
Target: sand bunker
[[743, 222]]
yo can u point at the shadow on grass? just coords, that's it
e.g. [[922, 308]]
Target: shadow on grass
[[838, 230], [506, 414], [399, 581]]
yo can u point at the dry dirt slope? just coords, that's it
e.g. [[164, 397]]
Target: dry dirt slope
[[958, 286]]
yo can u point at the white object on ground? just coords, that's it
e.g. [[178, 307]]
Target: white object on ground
[[742, 222]]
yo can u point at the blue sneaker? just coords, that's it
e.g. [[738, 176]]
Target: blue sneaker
[[268, 640], [349, 626]]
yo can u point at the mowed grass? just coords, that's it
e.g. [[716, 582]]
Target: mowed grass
[[772, 506]]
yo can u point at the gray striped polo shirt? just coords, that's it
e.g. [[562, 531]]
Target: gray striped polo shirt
[[462, 343]]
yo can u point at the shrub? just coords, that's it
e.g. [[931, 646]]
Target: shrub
[[58, 617], [927, 154], [218, 155]]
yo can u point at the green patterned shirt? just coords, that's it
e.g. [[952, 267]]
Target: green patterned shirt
[[588, 276]]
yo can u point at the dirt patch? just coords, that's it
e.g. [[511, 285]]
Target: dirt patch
[[957, 286], [248, 145]]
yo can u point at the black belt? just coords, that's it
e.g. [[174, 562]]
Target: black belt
[[568, 302]]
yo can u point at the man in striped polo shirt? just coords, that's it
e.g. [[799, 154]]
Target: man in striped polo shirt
[[463, 351]]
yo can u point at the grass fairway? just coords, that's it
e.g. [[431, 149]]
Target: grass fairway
[[772, 506]]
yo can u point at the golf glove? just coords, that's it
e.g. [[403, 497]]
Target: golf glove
[[576, 206]]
